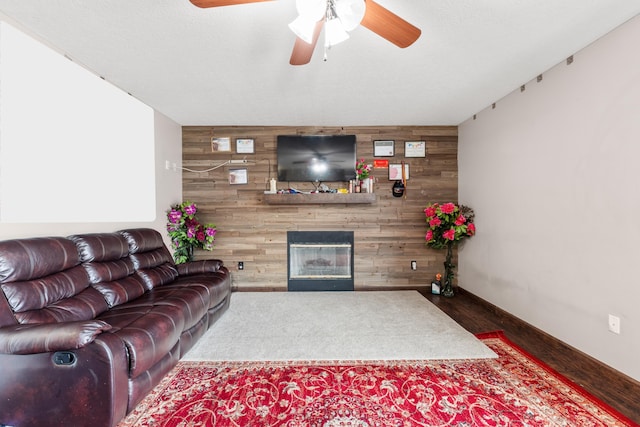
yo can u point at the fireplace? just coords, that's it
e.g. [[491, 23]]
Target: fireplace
[[320, 260]]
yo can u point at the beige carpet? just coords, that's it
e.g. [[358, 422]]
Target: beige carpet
[[394, 325]]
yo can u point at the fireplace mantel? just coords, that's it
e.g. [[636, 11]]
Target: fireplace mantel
[[319, 198]]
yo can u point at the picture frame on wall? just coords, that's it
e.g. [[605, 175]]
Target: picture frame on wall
[[415, 149], [220, 145], [384, 148], [380, 163], [395, 171], [245, 146], [238, 176]]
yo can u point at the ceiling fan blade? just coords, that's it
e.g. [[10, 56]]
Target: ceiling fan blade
[[218, 3], [388, 25], [302, 51]]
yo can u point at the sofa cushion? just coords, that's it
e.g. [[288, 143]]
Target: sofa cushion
[[142, 239], [157, 276], [148, 331], [38, 293], [117, 292], [151, 258], [84, 306], [60, 297], [43, 282], [111, 271], [98, 247], [218, 284], [192, 301], [27, 259], [107, 271]]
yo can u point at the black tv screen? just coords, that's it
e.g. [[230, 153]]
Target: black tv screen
[[318, 158]]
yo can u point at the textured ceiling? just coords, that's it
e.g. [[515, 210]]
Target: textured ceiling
[[230, 65]]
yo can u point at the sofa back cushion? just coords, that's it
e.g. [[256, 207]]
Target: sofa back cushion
[[98, 247], [151, 258], [42, 282], [105, 258], [26, 259]]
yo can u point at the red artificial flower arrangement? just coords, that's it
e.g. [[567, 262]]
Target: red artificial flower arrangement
[[448, 223], [362, 170]]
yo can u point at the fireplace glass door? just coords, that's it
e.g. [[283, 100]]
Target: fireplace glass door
[[320, 262]]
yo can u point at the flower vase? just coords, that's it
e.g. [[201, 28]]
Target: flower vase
[[447, 289], [189, 253]]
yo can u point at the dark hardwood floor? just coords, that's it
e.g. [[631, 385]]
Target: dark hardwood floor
[[477, 315]]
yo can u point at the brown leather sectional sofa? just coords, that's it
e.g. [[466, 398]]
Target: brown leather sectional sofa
[[89, 324]]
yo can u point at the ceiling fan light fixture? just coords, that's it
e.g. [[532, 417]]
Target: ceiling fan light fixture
[[338, 17], [303, 27], [334, 33], [350, 12], [312, 9], [341, 17]]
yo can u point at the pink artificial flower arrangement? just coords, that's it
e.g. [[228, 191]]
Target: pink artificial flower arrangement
[[448, 223], [187, 233], [362, 170]]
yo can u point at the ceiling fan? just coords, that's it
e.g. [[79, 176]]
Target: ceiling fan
[[316, 14]]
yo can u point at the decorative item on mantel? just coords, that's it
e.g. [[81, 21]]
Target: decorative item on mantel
[[448, 225], [363, 181], [187, 233]]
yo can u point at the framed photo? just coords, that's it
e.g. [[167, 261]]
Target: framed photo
[[238, 176], [415, 149], [220, 145], [383, 148], [395, 171], [244, 146]]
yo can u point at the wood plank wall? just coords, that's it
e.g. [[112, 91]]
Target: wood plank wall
[[388, 234]]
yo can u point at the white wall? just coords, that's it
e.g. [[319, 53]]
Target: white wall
[[168, 182], [553, 174], [168, 188], [63, 128], [108, 159]]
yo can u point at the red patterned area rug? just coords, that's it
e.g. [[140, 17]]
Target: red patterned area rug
[[512, 390]]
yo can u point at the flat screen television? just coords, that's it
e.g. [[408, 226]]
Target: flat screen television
[[316, 158]]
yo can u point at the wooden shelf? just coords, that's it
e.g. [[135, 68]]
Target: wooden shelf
[[319, 198]]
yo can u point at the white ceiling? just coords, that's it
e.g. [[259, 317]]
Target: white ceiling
[[230, 65]]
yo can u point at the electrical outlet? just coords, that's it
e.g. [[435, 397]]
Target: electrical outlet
[[414, 265], [614, 324], [240, 265]]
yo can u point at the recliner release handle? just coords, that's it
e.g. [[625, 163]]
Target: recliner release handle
[[64, 358]]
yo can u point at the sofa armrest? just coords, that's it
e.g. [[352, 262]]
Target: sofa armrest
[[48, 337], [199, 267]]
